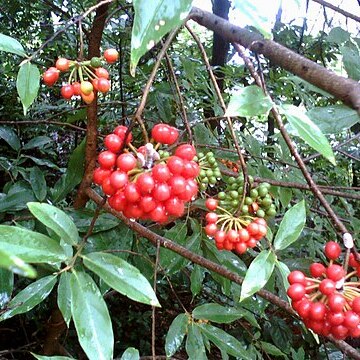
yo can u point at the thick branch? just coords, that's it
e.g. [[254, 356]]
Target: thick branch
[[342, 88]]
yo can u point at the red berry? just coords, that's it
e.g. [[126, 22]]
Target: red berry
[[118, 201], [77, 88], [296, 291], [133, 211], [101, 73], [161, 173], [335, 272], [158, 214], [100, 174], [88, 99], [211, 217], [107, 159], [352, 261], [62, 64], [103, 85], [126, 162], [232, 236], [185, 151], [220, 236], [251, 243], [339, 332], [211, 204], [132, 193], [303, 308], [50, 76], [327, 287], [191, 169], [161, 192], [317, 311], [335, 318], [111, 55], [147, 203], [145, 183], [121, 132], [107, 188], [356, 305], [118, 179], [336, 302], [317, 269], [253, 228], [67, 91], [210, 229], [332, 250], [113, 142], [175, 165], [177, 184], [351, 319], [240, 248], [174, 206], [296, 276], [244, 235]]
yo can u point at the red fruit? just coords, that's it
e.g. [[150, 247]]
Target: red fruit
[[335, 272], [228, 245], [355, 332], [126, 162], [100, 174], [107, 188], [317, 269], [211, 204], [86, 87], [161, 192], [174, 206], [111, 55], [219, 245], [336, 302], [191, 169], [103, 85], [251, 243], [118, 201], [94, 83], [147, 203], [145, 183], [262, 230], [164, 134], [101, 73], [332, 250], [327, 287], [240, 248], [296, 276], [260, 221], [185, 151], [335, 318], [220, 236], [351, 319], [88, 99], [317, 311], [113, 142], [232, 236], [303, 308], [77, 88], [177, 184], [50, 77], [211, 229], [161, 173], [173, 136], [118, 179], [356, 305], [107, 159], [175, 165], [62, 64], [158, 214], [133, 211], [67, 91], [296, 291], [132, 193], [121, 132], [244, 235], [352, 261], [211, 218], [339, 332], [253, 228]]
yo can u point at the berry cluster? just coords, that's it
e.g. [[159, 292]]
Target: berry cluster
[[258, 202], [230, 232], [209, 170], [85, 77], [329, 301], [145, 183]]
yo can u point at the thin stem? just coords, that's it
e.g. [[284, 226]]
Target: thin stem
[[153, 325]]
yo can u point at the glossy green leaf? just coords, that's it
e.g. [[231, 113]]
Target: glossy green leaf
[[37, 142], [285, 195], [196, 279], [6, 286], [258, 274], [91, 317], [154, 19], [338, 35], [30, 246], [249, 101], [64, 297], [56, 220], [10, 137], [284, 272], [291, 226], [27, 84], [73, 175], [351, 60], [43, 357], [121, 276], [224, 341], [194, 345], [130, 354], [334, 118], [38, 183], [16, 265], [217, 313], [29, 297], [41, 162], [308, 131], [16, 201], [11, 45], [175, 335], [271, 349]]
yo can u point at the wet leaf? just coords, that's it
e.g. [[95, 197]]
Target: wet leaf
[[176, 334], [16, 265], [11, 45]]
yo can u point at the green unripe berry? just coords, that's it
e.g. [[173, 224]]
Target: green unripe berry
[[234, 186], [262, 190], [95, 62], [234, 194], [271, 212], [201, 155], [267, 185], [231, 180], [211, 161], [202, 173], [212, 180], [235, 203], [248, 200], [266, 202], [260, 213], [217, 173], [166, 154], [205, 180], [221, 195], [245, 209], [254, 194], [202, 187], [196, 159], [209, 173]]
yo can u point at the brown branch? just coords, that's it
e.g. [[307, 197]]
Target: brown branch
[[210, 265], [337, 9], [342, 88], [46, 122], [91, 111]]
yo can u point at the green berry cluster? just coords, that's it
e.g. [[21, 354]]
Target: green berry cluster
[[209, 170], [258, 202]]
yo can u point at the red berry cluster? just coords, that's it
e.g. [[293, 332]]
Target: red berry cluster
[[329, 301], [145, 183], [86, 77], [230, 232]]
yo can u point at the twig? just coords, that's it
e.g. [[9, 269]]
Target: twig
[[337, 9], [29, 122], [153, 314]]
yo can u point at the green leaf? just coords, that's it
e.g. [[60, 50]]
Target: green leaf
[[30, 246], [29, 297], [333, 119], [154, 19], [284, 272], [175, 335], [291, 226], [42, 357], [36, 142], [56, 220], [27, 84], [217, 313], [16, 265], [64, 297], [121, 276], [351, 60], [224, 341], [16, 201], [130, 354], [308, 131], [258, 274], [73, 175], [249, 101], [91, 317], [10, 137], [285, 195], [11, 45], [338, 35], [6, 286], [196, 278], [38, 183], [194, 345], [271, 349], [41, 162]]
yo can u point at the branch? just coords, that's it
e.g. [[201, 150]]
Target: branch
[[342, 88], [337, 9], [210, 265]]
